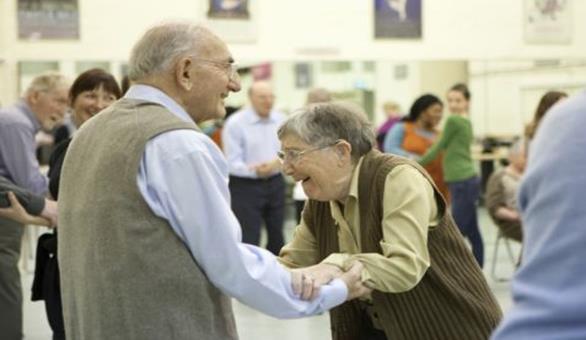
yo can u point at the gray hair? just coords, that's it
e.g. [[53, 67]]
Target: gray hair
[[325, 123], [161, 45], [47, 82], [318, 95]]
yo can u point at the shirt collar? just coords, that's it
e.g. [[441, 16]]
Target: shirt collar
[[154, 95], [254, 118], [22, 104], [352, 193]]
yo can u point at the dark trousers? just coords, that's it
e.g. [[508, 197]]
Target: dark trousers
[[10, 287], [464, 196], [255, 201], [46, 285]]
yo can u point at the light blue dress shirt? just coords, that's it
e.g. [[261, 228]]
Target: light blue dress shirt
[[250, 140], [549, 289], [18, 158], [183, 177]]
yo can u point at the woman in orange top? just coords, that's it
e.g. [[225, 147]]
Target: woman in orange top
[[416, 133]]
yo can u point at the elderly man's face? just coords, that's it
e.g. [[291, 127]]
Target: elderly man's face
[[323, 174], [262, 98], [214, 81], [49, 106]]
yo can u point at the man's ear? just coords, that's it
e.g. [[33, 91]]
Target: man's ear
[[183, 73], [33, 97]]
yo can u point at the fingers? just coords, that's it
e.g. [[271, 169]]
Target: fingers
[[308, 287], [297, 282], [13, 200]]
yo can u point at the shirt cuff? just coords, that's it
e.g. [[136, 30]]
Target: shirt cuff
[[334, 293]]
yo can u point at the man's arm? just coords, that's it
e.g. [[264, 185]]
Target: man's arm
[[185, 182], [19, 157]]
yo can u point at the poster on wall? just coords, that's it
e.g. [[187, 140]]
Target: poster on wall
[[397, 19], [48, 19], [228, 9], [233, 20], [548, 21]]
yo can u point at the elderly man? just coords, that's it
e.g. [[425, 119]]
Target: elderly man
[[256, 184], [501, 193], [385, 212], [150, 249], [43, 106]]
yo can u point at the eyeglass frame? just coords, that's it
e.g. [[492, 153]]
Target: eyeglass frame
[[282, 155], [225, 64]]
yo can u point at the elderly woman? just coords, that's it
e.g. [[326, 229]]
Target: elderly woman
[[384, 212]]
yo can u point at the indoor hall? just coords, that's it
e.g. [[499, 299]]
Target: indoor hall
[[407, 75]]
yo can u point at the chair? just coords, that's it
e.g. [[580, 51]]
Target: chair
[[500, 237]]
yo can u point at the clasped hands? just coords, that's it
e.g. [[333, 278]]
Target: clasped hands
[[307, 281]]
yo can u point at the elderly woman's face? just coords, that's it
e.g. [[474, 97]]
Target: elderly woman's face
[[325, 171]]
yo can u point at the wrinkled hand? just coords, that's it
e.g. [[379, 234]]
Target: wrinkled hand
[[322, 273], [264, 170], [352, 279], [16, 212], [304, 285]]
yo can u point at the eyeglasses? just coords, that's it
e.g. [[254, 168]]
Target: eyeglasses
[[293, 156], [232, 67]]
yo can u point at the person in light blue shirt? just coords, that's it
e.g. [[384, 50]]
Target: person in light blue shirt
[[181, 75], [549, 288], [256, 184], [42, 107]]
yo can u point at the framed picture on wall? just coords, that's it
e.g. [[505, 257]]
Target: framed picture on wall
[[233, 20], [48, 19], [228, 9], [548, 21], [397, 19]]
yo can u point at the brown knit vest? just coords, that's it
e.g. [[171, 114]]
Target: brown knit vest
[[125, 274], [451, 302]]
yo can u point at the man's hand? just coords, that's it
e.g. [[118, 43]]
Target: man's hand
[[50, 212], [16, 212], [304, 285], [268, 168], [352, 279], [263, 170]]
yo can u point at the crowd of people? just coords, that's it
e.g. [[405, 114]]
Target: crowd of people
[[155, 227]]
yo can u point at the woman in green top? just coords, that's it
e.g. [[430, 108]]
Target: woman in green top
[[459, 171]]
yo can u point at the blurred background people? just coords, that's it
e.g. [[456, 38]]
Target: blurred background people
[[393, 114], [502, 190], [416, 133], [550, 285], [257, 187], [459, 170], [42, 107], [548, 100], [91, 92]]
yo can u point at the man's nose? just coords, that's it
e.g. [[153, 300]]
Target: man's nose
[[234, 84]]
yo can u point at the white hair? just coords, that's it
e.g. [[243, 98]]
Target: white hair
[[161, 45], [47, 82]]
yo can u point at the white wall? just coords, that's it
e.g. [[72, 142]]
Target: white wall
[[506, 94], [300, 30]]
